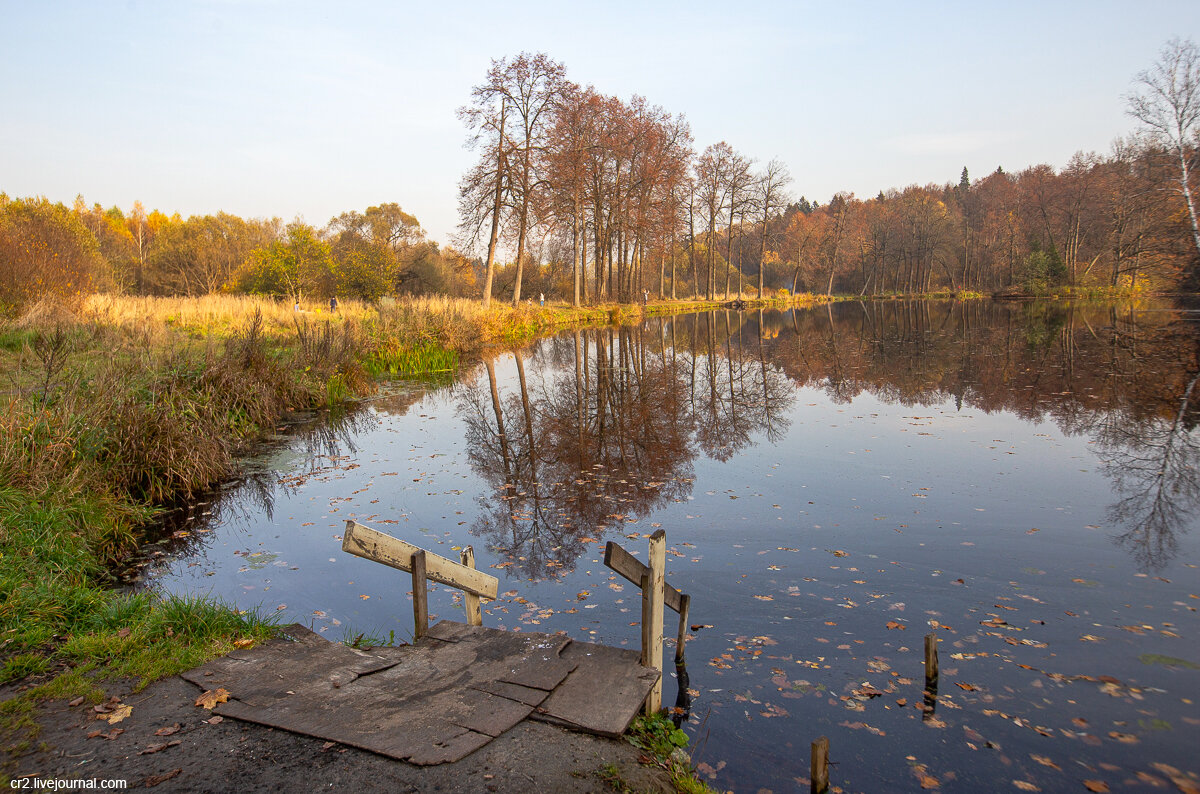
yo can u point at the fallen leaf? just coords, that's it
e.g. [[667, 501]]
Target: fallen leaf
[[76, 702], [211, 698], [154, 748], [114, 733], [167, 731], [1025, 785], [891, 624], [1124, 738], [154, 780], [967, 687], [117, 714], [245, 642], [216, 719], [1098, 786]]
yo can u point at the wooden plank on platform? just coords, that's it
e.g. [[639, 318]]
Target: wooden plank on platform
[[522, 694], [604, 692], [371, 544], [435, 701], [632, 569]]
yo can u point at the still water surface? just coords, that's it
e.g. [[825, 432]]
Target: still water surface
[[834, 484]]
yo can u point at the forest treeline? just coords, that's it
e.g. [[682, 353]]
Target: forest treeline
[[590, 198], [49, 248], [609, 198]]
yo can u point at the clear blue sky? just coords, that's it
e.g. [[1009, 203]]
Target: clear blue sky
[[264, 108]]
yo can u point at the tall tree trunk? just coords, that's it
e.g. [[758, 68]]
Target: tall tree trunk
[[576, 242], [516, 299], [491, 252], [1186, 189]]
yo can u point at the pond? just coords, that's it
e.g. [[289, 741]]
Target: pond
[[1021, 480]]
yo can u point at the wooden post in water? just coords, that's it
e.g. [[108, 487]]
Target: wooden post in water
[[818, 772], [420, 595], [653, 587], [931, 661], [470, 600]]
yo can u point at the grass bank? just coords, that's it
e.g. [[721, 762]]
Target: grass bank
[[107, 411]]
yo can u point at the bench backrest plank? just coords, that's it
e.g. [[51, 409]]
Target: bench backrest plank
[[632, 569], [371, 544]]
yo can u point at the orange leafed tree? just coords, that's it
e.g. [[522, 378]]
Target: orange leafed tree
[[44, 251]]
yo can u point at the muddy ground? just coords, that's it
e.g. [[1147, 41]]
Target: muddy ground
[[207, 754]]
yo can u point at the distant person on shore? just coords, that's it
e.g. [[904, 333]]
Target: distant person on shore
[[645, 296], [296, 308], [541, 299], [333, 304]]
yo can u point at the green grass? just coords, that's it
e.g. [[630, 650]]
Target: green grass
[[659, 737], [426, 359]]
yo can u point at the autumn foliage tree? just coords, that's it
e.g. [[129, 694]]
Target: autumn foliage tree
[[44, 250]]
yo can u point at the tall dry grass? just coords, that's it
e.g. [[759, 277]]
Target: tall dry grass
[[213, 314]]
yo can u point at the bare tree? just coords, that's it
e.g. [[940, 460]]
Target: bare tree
[[1167, 100], [481, 191], [771, 198]]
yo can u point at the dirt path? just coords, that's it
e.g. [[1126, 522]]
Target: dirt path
[[207, 754]]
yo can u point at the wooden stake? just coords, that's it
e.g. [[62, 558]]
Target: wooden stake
[[470, 600], [931, 661], [684, 606], [420, 596], [652, 615], [819, 766]]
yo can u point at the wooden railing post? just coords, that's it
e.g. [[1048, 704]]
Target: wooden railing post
[[470, 600], [653, 587], [685, 604], [420, 596]]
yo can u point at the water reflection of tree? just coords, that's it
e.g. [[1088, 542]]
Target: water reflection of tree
[[608, 432], [1119, 375], [1155, 465]]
